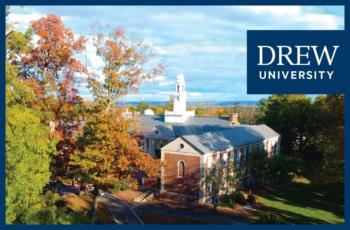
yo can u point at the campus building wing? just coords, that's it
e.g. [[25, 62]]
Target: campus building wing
[[191, 147]]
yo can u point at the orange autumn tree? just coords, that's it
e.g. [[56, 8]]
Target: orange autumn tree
[[108, 154], [52, 69], [124, 68]]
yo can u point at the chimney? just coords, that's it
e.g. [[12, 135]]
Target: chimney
[[234, 119]]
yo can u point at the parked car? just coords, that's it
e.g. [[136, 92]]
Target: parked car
[[102, 193]]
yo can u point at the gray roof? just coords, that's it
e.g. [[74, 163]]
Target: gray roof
[[207, 134], [148, 122], [229, 138], [193, 125]]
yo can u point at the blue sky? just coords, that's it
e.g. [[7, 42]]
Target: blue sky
[[206, 43]]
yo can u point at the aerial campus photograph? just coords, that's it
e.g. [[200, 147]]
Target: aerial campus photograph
[[140, 115]]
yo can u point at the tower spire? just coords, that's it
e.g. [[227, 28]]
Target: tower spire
[[180, 95], [179, 113]]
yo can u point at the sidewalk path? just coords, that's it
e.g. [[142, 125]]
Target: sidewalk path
[[119, 210]]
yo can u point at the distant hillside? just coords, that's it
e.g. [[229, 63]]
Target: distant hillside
[[206, 103]]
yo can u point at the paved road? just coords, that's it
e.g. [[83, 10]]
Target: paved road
[[182, 213], [120, 210]]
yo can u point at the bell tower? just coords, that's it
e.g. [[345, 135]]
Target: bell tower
[[180, 95], [179, 113]]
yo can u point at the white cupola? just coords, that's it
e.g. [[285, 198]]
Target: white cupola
[[179, 113], [180, 95]]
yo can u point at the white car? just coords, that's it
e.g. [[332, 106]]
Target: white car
[[102, 193]]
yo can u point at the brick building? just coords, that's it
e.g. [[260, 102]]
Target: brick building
[[191, 146]]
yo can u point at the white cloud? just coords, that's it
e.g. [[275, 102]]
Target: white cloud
[[316, 20], [195, 94], [277, 11], [158, 78], [96, 62], [22, 21], [145, 97], [161, 80], [291, 16], [171, 17], [24, 18], [187, 49], [168, 93], [35, 39], [166, 83]]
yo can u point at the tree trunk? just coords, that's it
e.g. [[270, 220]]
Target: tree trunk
[[9, 30], [95, 202], [94, 206]]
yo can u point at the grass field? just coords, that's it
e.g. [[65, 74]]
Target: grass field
[[84, 204], [305, 203]]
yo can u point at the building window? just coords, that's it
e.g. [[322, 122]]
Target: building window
[[181, 169], [178, 88], [236, 156], [274, 148], [209, 186], [158, 146], [242, 155], [217, 162], [224, 158], [231, 158], [146, 144], [182, 146], [210, 163]]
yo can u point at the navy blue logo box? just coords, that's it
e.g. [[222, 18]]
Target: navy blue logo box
[[297, 62]]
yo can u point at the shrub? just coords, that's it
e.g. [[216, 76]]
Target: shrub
[[237, 197], [226, 199], [282, 169], [251, 199], [229, 200], [120, 185], [279, 169], [227, 205]]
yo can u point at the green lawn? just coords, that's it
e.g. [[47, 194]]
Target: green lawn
[[305, 203]]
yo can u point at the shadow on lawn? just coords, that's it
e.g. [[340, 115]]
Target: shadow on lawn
[[327, 197], [291, 217]]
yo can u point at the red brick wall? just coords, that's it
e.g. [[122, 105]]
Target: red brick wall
[[189, 184], [150, 182]]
